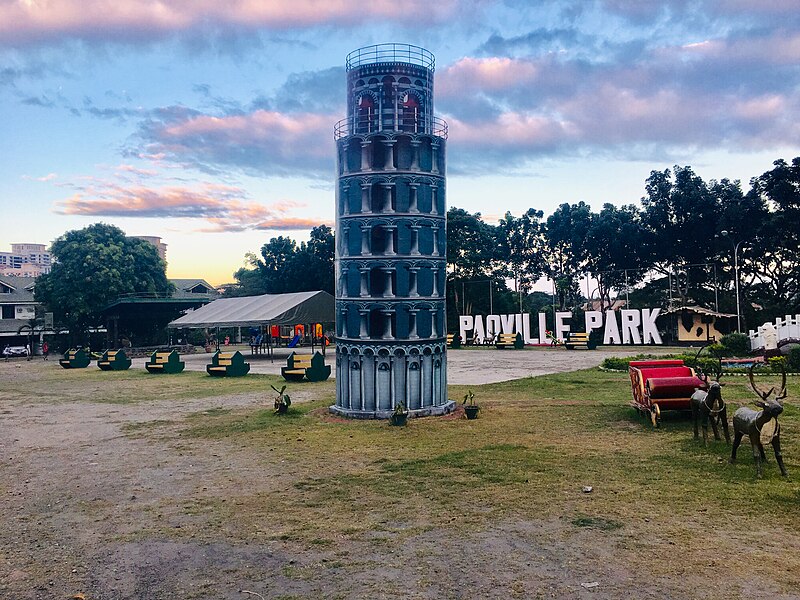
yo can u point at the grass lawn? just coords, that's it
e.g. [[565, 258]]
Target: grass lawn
[[328, 482]]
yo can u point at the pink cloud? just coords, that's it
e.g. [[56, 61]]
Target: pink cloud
[[264, 141], [510, 131], [225, 207], [495, 73], [24, 20]]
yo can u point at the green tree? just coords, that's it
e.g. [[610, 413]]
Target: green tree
[[285, 267], [771, 254], [521, 243], [566, 255], [616, 250], [93, 267]]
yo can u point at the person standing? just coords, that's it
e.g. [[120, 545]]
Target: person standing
[[28, 351], [6, 352], [45, 349]]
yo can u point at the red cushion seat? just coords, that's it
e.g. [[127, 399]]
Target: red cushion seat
[[672, 387]]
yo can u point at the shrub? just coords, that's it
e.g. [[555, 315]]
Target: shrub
[[794, 358], [778, 363], [621, 363], [736, 344]]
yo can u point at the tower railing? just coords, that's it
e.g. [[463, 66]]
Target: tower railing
[[383, 53], [366, 125]]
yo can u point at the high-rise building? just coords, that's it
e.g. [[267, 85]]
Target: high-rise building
[[156, 241], [25, 260], [390, 237]]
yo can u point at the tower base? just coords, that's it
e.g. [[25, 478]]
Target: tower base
[[428, 411]]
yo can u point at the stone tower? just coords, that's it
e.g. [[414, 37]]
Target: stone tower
[[390, 237]]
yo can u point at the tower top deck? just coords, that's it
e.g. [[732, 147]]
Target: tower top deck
[[391, 53]]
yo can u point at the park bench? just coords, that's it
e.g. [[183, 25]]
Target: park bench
[[228, 364], [75, 359], [114, 360], [510, 340], [577, 341], [306, 366], [165, 362], [453, 340]]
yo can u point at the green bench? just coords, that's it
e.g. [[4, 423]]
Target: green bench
[[453, 340], [306, 366], [165, 362], [75, 359], [114, 360], [510, 340], [577, 341], [228, 364]]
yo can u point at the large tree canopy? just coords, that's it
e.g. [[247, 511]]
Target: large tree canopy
[[92, 268], [282, 266]]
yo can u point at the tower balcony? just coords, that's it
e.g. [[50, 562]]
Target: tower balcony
[[371, 125]]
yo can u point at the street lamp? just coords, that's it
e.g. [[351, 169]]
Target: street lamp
[[725, 234]]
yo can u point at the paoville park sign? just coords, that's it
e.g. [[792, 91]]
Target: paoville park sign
[[627, 326]]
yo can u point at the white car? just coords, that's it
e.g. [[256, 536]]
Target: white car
[[15, 351]]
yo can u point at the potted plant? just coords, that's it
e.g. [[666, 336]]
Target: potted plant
[[399, 416], [470, 408], [282, 401]]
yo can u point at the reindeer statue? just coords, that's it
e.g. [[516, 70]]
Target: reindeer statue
[[708, 405], [761, 426]]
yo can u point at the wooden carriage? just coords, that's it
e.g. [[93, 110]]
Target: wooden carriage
[[662, 385]]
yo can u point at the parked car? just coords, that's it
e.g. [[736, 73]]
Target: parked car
[[15, 351]]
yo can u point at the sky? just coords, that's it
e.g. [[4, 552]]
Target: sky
[[210, 124]]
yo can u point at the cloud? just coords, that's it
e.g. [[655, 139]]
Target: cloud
[[224, 207], [45, 178], [31, 21], [262, 142]]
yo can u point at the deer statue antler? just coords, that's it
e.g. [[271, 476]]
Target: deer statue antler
[[782, 394], [759, 393]]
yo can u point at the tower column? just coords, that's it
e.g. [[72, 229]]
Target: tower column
[[435, 157], [413, 276], [412, 324], [415, 239], [365, 230], [435, 251], [389, 197], [343, 158], [365, 155], [415, 144], [364, 276], [387, 290], [366, 197], [363, 332], [391, 248], [388, 313], [412, 197], [389, 165]]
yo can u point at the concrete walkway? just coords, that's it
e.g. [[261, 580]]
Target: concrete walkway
[[472, 366]]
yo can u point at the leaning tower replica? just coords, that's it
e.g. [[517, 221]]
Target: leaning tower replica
[[390, 237]]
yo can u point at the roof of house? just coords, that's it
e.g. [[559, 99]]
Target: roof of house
[[699, 310], [21, 289]]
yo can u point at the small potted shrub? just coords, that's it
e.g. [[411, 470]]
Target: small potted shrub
[[400, 415], [470, 408], [282, 401]]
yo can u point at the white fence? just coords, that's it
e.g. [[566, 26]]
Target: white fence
[[786, 328]]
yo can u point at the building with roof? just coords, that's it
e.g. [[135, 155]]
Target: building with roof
[[17, 309]]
